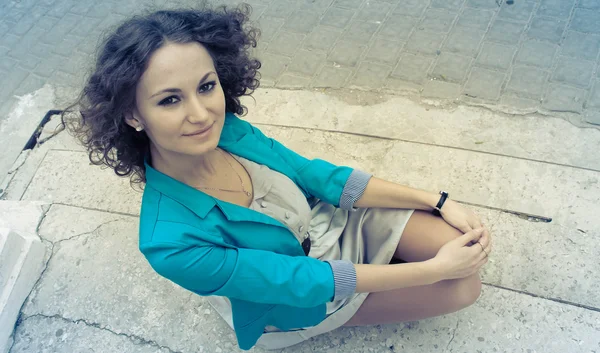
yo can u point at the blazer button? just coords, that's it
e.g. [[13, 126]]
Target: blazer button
[[263, 204], [301, 228], [287, 215]]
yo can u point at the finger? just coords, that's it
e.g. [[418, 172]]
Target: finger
[[485, 238], [476, 222], [484, 252], [468, 237], [481, 263]]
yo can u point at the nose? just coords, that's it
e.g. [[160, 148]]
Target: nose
[[197, 112]]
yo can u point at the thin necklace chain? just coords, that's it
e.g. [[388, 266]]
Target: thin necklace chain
[[248, 193]]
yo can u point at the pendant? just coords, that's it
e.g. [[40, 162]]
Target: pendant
[[248, 193]]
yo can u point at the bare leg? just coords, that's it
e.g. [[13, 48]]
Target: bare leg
[[423, 236]]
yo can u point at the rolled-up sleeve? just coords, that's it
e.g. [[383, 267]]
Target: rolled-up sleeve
[[354, 189], [247, 274]]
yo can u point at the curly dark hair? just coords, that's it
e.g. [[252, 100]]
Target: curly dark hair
[[109, 94]]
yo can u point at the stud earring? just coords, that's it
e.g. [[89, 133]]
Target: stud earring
[[139, 128]]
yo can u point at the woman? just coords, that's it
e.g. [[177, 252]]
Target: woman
[[285, 247]]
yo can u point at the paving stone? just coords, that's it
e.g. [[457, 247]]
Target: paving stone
[[592, 117], [496, 56], [514, 100], [81, 7], [371, 75], [311, 5], [333, 77], [29, 62], [11, 81], [23, 25], [452, 5], [589, 4], [60, 8], [518, 11], [9, 41], [24, 45], [547, 28], [411, 8], [337, 17], [49, 65], [46, 23], [67, 45], [413, 68], [62, 78], [556, 8], [322, 38], [101, 9], [574, 71], [437, 21], [397, 27], [484, 84], [484, 4], [307, 62], [286, 43], [374, 11], [464, 41], [7, 63], [536, 53], [505, 32], [349, 4], [302, 21], [594, 99], [477, 18], [31, 84], [85, 26], [563, 98], [452, 67], [527, 80], [293, 81], [346, 53], [441, 90], [384, 51], [586, 21], [61, 29], [581, 45], [273, 65], [280, 9], [268, 27], [77, 63], [424, 42], [361, 31]]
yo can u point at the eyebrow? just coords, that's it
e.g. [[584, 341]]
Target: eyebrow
[[175, 90]]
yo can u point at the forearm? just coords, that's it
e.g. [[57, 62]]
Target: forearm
[[379, 278], [385, 194]]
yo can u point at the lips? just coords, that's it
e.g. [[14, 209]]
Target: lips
[[200, 132]]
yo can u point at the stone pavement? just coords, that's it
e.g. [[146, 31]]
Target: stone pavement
[[529, 57], [97, 292]]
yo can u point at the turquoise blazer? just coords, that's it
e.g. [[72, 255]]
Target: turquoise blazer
[[212, 247]]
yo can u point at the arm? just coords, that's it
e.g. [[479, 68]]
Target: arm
[[385, 194]]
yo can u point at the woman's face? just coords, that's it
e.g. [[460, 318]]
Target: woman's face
[[179, 100]]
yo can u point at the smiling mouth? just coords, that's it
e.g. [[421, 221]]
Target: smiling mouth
[[200, 132]]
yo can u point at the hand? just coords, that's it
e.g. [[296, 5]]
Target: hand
[[459, 259], [460, 217]]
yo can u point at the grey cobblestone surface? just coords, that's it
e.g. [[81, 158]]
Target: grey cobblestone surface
[[534, 54]]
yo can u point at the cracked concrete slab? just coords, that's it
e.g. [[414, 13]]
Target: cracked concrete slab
[[505, 321], [531, 136], [101, 277], [24, 169], [21, 123], [67, 177], [566, 194], [57, 335], [66, 222]]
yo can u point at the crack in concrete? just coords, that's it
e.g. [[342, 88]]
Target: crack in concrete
[[135, 339], [87, 233], [453, 334]]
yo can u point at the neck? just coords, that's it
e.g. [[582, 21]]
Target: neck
[[190, 170]]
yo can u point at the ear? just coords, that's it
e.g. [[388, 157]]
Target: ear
[[133, 119]]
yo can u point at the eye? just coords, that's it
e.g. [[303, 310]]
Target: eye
[[169, 100], [208, 86]]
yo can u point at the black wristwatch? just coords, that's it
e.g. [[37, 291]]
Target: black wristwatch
[[438, 207]]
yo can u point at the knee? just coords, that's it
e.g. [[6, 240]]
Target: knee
[[467, 291]]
